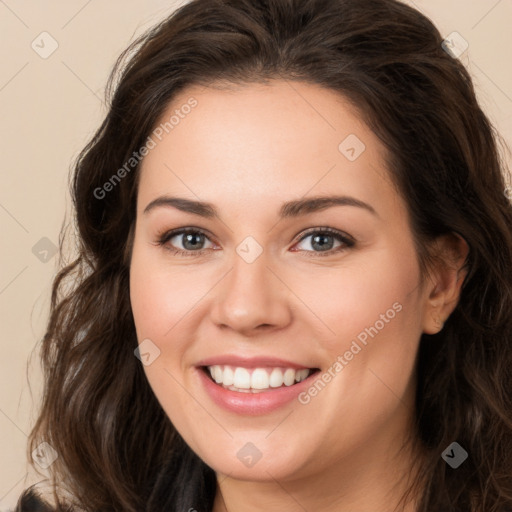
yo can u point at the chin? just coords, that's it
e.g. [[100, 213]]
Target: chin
[[251, 464]]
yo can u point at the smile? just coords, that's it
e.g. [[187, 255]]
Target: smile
[[261, 387], [256, 380]]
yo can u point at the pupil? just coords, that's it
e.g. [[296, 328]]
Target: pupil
[[322, 243], [190, 237]]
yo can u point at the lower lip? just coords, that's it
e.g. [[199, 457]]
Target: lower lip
[[252, 404]]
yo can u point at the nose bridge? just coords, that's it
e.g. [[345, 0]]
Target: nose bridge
[[250, 295]]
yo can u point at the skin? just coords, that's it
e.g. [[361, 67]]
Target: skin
[[247, 150]]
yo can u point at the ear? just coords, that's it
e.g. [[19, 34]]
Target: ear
[[445, 281]]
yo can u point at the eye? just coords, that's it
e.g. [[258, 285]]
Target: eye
[[190, 239], [323, 240]]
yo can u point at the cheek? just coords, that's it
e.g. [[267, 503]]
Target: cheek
[[161, 295], [377, 296], [161, 300], [379, 330], [375, 315]]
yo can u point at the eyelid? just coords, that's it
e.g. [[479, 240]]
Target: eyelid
[[164, 237], [346, 240], [325, 229]]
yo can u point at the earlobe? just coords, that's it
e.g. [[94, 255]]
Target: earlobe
[[439, 323], [446, 279], [433, 321]]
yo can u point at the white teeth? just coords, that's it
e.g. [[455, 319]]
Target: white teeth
[[217, 374], [289, 377], [259, 379], [276, 378], [228, 377], [244, 379], [300, 375]]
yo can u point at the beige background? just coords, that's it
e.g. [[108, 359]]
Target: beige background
[[49, 109]]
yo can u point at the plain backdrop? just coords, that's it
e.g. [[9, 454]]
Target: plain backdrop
[[56, 56]]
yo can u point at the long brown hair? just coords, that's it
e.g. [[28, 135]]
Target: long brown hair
[[117, 449]]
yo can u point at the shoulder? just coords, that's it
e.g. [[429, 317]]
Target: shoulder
[[31, 501], [39, 498]]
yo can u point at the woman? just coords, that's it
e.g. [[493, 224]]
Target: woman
[[341, 338]]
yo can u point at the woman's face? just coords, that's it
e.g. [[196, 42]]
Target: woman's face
[[277, 284]]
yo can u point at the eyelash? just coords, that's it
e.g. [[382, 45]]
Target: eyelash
[[348, 242]]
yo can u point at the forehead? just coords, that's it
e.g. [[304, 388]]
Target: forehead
[[264, 140]]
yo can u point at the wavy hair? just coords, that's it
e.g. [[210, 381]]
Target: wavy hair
[[117, 449]]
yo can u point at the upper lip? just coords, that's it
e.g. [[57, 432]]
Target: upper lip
[[250, 362]]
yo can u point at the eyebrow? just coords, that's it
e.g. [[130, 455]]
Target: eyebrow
[[289, 209]]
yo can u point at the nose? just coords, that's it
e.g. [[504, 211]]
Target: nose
[[251, 298]]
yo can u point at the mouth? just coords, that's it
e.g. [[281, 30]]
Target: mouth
[[256, 380]]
